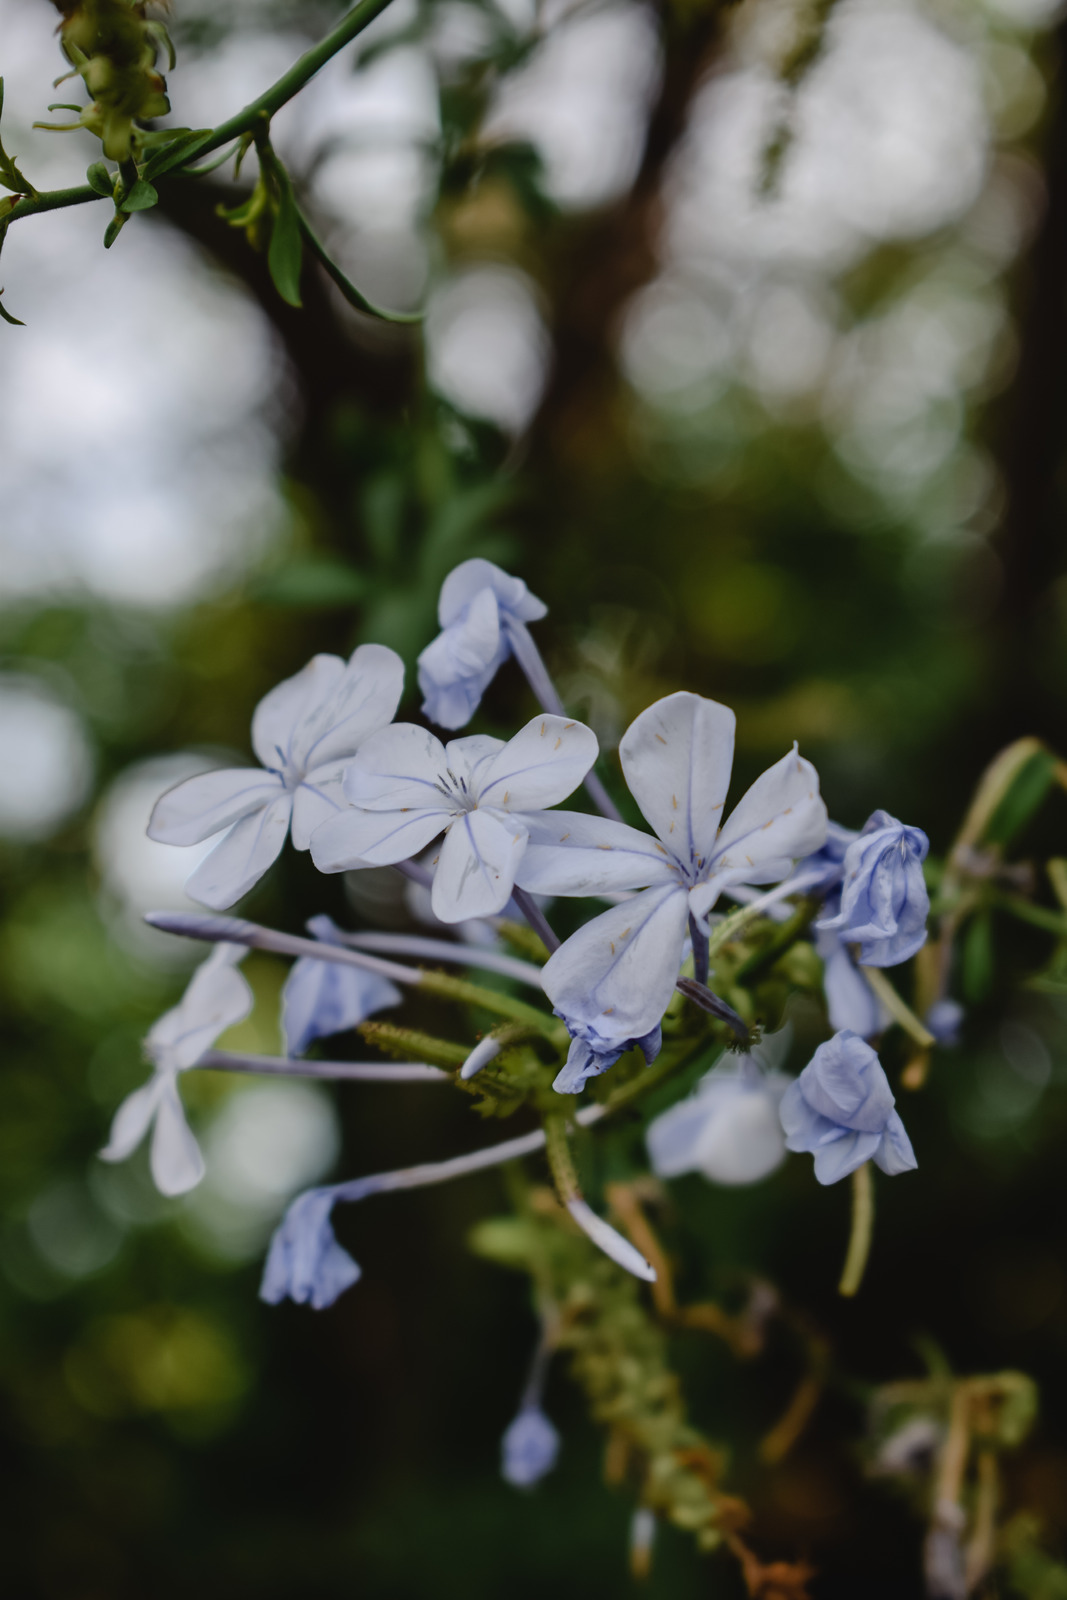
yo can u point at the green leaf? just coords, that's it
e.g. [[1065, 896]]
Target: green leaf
[[99, 178], [7, 317], [1030, 786], [114, 228], [10, 176], [978, 957], [181, 145], [142, 197], [286, 254], [317, 582]]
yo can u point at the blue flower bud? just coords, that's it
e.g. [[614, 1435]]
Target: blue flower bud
[[305, 1263], [528, 1449], [481, 610], [884, 903], [840, 1110]]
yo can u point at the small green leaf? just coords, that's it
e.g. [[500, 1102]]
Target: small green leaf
[[7, 317], [99, 178], [114, 228], [1030, 786], [172, 147], [978, 957], [317, 582], [142, 197], [286, 254], [10, 176]]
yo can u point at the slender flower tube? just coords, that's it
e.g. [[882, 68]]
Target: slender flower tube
[[304, 732], [612, 980], [406, 788], [217, 997]]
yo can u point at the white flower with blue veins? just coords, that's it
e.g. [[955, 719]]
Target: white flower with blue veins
[[613, 979], [217, 998], [304, 733], [406, 788], [483, 613]]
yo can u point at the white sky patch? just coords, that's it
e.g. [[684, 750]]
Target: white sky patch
[[487, 349], [47, 766]]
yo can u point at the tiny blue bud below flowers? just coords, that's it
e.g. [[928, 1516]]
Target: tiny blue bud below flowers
[[305, 1263], [528, 1449]]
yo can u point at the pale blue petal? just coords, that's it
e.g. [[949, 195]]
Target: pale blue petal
[[321, 998], [305, 1263], [895, 1154], [198, 807], [677, 758], [356, 838], [241, 856], [280, 715], [572, 853], [363, 699], [540, 766], [399, 768], [458, 666], [468, 580], [528, 1449], [476, 868]]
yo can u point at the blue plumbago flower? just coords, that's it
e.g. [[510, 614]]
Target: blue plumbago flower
[[406, 787], [304, 732], [590, 1055], [217, 997], [483, 613], [529, 1448], [728, 1129], [944, 1020], [840, 1110], [613, 979], [321, 998], [884, 903], [305, 1263]]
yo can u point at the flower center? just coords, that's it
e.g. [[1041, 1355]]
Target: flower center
[[456, 792]]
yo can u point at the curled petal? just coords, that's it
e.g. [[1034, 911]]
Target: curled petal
[[305, 1263], [541, 765], [476, 871], [217, 997], [571, 852], [677, 758], [198, 807], [177, 1165], [321, 998], [241, 856], [471, 577], [458, 666]]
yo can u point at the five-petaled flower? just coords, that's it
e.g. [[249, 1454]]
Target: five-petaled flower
[[406, 787], [483, 614], [841, 1110], [304, 732], [217, 997], [613, 979]]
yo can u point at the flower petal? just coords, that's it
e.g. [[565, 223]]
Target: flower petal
[[540, 766], [781, 817], [358, 838], [217, 997], [677, 758], [241, 856], [476, 871], [280, 715], [895, 1154], [177, 1165], [133, 1119], [470, 577], [673, 1138], [321, 998], [616, 975], [198, 807], [316, 800], [457, 667], [840, 1158], [399, 768], [604, 1236], [571, 852], [362, 700], [305, 1262], [850, 1000]]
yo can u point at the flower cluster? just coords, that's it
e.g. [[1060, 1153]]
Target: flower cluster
[[649, 965], [113, 47]]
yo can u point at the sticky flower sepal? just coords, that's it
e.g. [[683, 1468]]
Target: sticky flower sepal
[[321, 998], [841, 1110], [406, 788], [884, 900], [217, 997], [481, 611], [616, 975], [304, 732]]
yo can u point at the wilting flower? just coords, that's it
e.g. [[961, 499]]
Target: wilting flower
[[884, 903], [305, 1263], [323, 997], [529, 1448], [840, 1110], [728, 1128], [483, 614], [615, 976], [217, 997], [590, 1055], [406, 787], [304, 732]]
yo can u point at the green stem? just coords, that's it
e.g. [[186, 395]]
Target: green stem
[[1039, 916], [345, 284], [859, 1244], [560, 1160], [289, 84], [898, 1009], [783, 940]]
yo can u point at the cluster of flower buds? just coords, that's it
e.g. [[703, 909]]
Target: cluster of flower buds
[[114, 47]]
